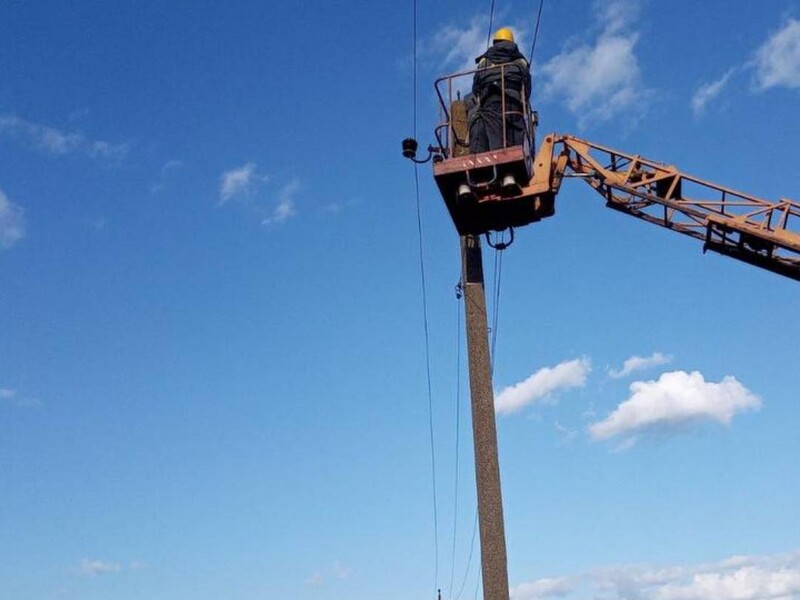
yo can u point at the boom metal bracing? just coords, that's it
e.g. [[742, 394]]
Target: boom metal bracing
[[757, 231]]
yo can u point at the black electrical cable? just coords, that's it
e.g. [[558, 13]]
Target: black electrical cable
[[424, 301], [536, 31], [491, 22], [498, 277], [457, 436], [469, 559]]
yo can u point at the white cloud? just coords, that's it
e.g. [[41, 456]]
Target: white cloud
[[237, 182], [59, 142], [542, 588], [567, 434], [708, 91], [677, 399], [455, 48], [98, 567], [316, 580], [242, 183], [163, 173], [285, 207], [93, 568], [736, 578], [340, 571], [777, 61], [638, 363], [12, 222], [12, 397], [336, 571], [543, 383], [747, 583], [601, 79]]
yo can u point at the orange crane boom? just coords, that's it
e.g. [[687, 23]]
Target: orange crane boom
[[760, 232]]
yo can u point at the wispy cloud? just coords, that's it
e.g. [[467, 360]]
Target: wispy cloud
[[52, 140], [543, 588], [543, 384], [336, 571], [336, 207], [94, 567], [777, 61], [599, 80], [285, 206], [245, 184], [454, 47], [736, 578], [638, 363], [675, 400], [163, 174], [709, 91], [774, 64], [239, 181], [11, 396], [12, 222]]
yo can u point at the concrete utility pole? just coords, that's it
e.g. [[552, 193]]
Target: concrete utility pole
[[484, 431]]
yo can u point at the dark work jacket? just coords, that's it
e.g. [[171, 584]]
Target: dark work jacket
[[487, 85]]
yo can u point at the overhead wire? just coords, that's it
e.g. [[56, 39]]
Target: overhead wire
[[497, 280], [536, 31], [424, 302], [496, 286], [459, 296], [469, 560], [491, 22]]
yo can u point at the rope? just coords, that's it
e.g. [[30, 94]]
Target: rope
[[424, 304], [536, 31]]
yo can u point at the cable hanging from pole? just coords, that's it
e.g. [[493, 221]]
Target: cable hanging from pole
[[424, 301], [459, 296]]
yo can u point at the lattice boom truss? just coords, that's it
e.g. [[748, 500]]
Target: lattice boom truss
[[751, 229]]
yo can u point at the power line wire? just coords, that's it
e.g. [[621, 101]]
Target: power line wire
[[469, 559], [536, 31], [491, 22], [424, 303], [497, 285], [459, 295]]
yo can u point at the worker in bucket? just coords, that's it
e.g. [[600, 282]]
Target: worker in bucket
[[488, 85]]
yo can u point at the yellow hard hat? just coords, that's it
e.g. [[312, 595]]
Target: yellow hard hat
[[503, 34]]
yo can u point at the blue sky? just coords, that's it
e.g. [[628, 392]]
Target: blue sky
[[212, 362]]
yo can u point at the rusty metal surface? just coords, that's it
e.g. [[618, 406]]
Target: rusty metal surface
[[757, 231], [481, 160], [459, 122], [751, 229], [449, 88]]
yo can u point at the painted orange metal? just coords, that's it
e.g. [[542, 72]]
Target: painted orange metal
[[751, 229], [757, 231]]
